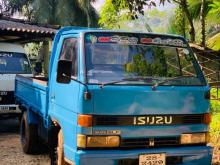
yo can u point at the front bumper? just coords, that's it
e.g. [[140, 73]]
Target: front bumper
[[198, 155], [9, 109]]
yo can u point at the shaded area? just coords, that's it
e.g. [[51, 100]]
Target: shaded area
[[10, 148]]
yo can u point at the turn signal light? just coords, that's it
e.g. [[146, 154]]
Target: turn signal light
[[85, 120], [207, 118]]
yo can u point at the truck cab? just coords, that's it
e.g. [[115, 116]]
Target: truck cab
[[118, 98], [13, 60]]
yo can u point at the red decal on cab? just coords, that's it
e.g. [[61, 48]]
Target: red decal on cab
[[104, 39], [146, 40]]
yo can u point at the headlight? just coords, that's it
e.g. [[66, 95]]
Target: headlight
[[196, 138], [84, 141]]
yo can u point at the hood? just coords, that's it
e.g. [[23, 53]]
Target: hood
[[142, 100]]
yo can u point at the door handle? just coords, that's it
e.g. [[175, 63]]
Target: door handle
[[52, 96]]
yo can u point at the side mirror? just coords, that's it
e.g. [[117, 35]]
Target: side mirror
[[64, 69]]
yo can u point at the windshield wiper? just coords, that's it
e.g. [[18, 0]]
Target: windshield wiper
[[127, 79], [169, 79]]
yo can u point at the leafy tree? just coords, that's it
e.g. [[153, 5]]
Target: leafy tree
[[113, 12], [199, 10], [90, 12], [135, 7], [214, 41], [63, 12], [214, 11], [179, 23]]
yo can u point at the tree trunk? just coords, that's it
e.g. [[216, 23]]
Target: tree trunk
[[89, 23], [46, 55], [202, 20], [183, 4]]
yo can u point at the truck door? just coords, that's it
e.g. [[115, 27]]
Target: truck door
[[64, 97]]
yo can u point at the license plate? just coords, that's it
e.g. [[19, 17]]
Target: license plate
[[152, 159], [4, 108]]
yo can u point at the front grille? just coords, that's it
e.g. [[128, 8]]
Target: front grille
[[169, 160], [193, 119], [7, 98], [149, 142]]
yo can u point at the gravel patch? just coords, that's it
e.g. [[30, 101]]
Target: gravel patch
[[10, 147]]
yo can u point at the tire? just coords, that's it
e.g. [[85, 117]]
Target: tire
[[57, 156], [29, 135]]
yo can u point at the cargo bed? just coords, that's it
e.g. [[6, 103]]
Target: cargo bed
[[32, 92]]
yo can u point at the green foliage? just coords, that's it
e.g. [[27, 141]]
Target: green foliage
[[45, 11], [62, 12], [214, 12], [215, 129], [179, 24], [158, 20], [113, 13], [23, 6], [117, 13], [195, 7], [136, 7], [215, 104], [32, 49], [215, 124], [214, 42]]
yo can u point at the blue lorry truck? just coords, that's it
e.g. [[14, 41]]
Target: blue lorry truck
[[117, 98]]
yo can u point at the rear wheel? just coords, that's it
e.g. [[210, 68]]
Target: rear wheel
[[29, 135]]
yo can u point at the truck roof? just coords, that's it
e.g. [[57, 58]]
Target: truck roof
[[11, 47], [73, 29]]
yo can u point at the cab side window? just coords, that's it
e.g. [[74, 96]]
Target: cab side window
[[69, 52]]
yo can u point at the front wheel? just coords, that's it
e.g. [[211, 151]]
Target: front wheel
[[29, 135]]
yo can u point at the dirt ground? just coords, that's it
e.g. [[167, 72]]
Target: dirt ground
[[10, 148], [11, 153]]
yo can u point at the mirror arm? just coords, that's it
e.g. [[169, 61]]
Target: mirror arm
[[64, 75], [87, 94]]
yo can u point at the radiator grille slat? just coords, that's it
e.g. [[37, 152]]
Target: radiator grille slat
[[145, 143]]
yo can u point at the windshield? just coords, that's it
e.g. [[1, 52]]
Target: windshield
[[139, 60], [14, 63]]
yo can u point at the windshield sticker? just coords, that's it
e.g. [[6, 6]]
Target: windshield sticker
[[6, 55], [119, 39], [146, 40], [159, 41], [93, 39], [124, 39], [104, 39]]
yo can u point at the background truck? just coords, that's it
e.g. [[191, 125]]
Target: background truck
[[117, 98], [13, 60]]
